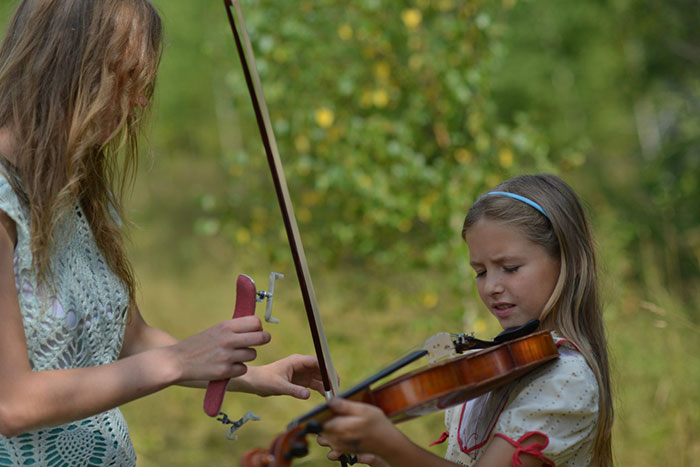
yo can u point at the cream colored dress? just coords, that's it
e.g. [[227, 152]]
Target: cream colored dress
[[558, 401]]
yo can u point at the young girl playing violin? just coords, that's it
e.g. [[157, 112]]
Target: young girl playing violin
[[75, 79], [531, 248]]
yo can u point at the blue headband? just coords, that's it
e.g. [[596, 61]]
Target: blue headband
[[519, 198]]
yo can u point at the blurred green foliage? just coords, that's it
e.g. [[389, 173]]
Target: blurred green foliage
[[617, 84], [392, 116], [385, 122]]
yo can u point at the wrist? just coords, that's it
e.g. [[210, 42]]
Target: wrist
[[397, 449], [169, 365], [243, 383], [393, 442]]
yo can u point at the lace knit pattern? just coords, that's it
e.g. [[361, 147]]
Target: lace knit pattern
[[79, 323]]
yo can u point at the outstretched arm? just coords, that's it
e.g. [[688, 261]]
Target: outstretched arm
[[32, 399], [292, 376]]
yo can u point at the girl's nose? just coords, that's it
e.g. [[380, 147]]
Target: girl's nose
[[494, 285]]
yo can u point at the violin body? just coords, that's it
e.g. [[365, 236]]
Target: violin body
[[420, 392], [462, 378]]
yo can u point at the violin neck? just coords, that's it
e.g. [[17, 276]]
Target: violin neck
[[319, 413]]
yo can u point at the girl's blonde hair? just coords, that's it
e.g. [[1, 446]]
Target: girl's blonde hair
[[72, 73], [574, 309]]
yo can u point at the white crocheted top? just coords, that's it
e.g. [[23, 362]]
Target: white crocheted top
[[81, 324]]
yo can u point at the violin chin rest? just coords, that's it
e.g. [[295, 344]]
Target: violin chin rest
[[517, 331]]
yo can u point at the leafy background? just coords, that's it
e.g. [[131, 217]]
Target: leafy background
[[391, 117]]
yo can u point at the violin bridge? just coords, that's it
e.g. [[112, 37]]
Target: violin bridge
[[439, 347]]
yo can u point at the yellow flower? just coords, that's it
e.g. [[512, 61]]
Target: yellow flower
[[345, 32], [405, 225], [463, 156], [425, 206], [430, 299], [380, 98], [304, 214], [302, 144], [324, 117], [243, 236], [445, 5], [382, 70], [424, 211], [505, 158], [411, 17], [366, 99]]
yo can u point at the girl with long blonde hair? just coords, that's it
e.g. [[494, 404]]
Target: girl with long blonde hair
[[76, 77], [531, 248]]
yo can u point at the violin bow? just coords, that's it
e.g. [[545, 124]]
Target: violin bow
[[245, 52]]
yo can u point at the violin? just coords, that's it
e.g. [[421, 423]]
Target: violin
[[423, 391]]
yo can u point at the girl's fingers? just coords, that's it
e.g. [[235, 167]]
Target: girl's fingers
[[342, 406], [321, 440]]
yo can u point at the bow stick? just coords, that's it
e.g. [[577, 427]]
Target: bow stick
[[245, 52]]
